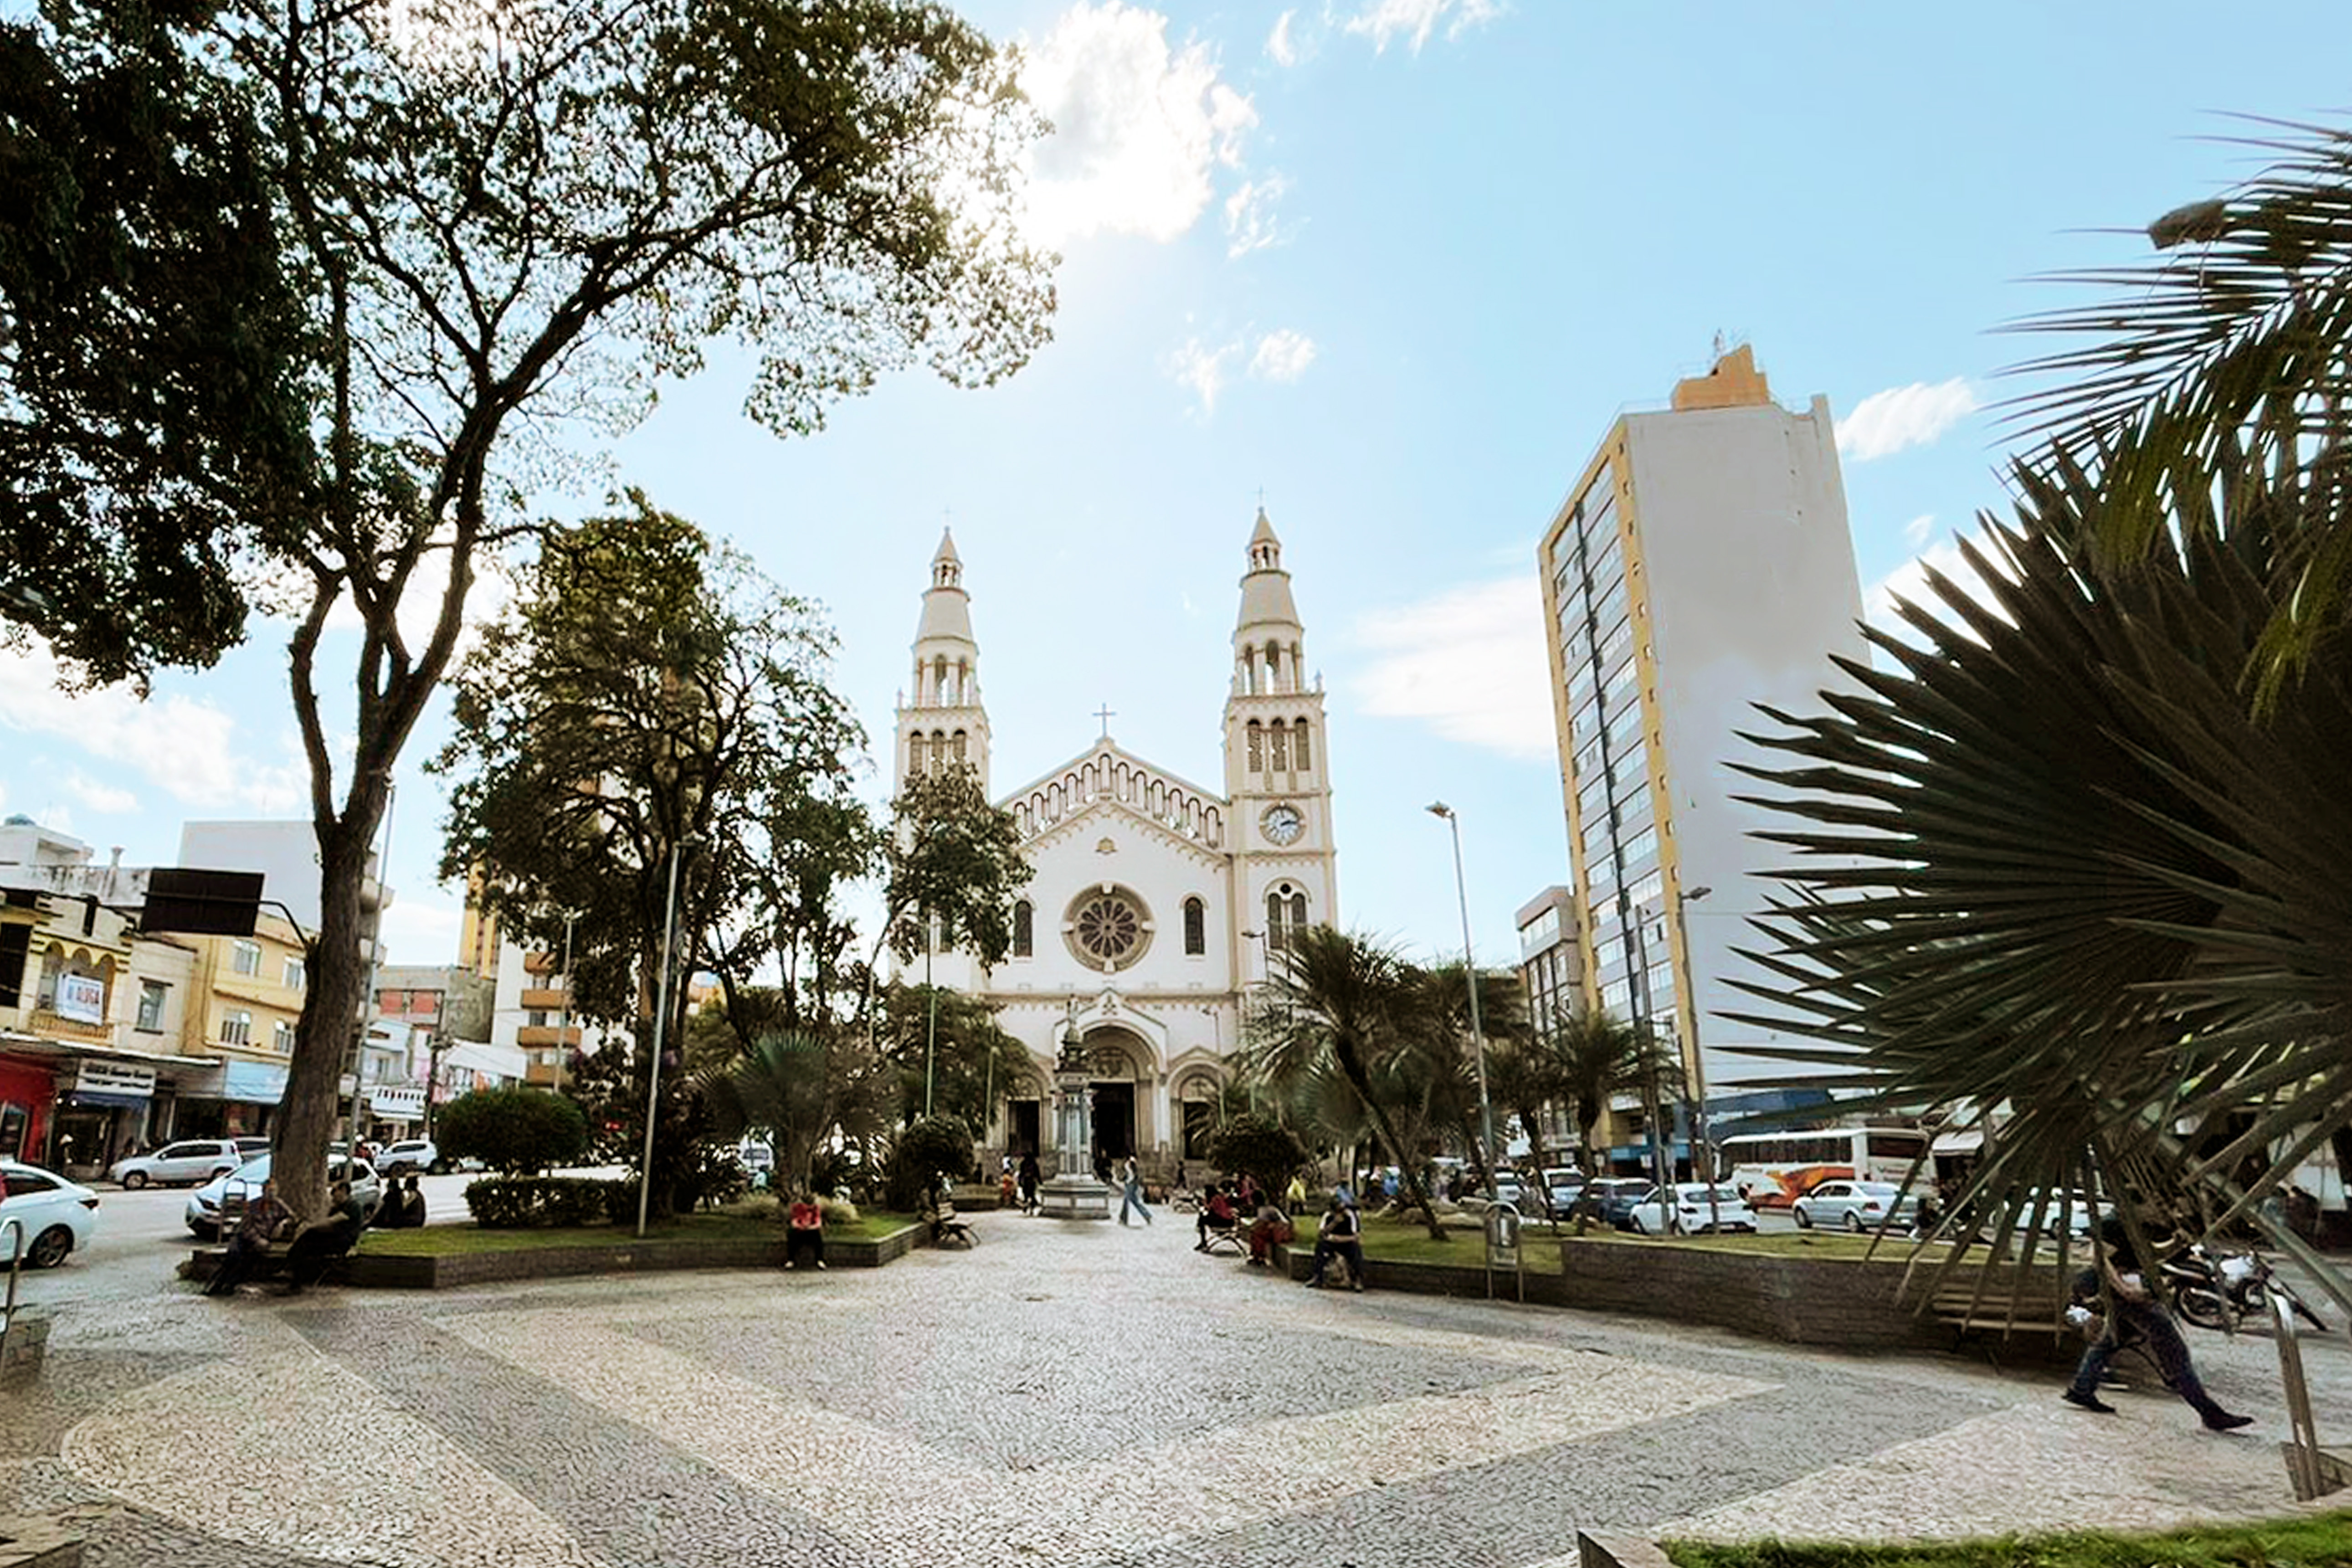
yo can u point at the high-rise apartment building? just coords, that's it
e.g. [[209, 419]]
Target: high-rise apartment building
[[1701, 565]]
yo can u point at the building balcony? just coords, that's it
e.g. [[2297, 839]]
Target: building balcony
[[536, 1037], [57, 1027], [544, 1001]]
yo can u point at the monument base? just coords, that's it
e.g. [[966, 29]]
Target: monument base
[[1074, 1197]]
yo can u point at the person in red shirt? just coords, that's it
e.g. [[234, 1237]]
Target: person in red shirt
[[805, 1229], [1217, 1214]]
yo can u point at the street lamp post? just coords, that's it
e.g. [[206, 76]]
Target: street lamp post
[[1470, 974], [661, 1021], [563, 1025], [1702, 1147]]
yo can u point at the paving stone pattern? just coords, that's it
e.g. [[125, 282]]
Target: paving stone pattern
[[1062, 1394]]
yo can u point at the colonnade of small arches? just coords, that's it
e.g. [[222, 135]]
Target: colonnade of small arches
[[942, 683], [932, 751], [1281, 747], [1268, 669], [1171, 805]]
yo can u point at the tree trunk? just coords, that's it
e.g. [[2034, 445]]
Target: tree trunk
[[1352, 1068], [336, 969]]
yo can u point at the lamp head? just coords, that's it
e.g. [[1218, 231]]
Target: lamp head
[[1439, 808], [1695, 894]]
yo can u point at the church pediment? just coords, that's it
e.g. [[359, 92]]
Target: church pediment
[[1117, 825], [1107, 778]]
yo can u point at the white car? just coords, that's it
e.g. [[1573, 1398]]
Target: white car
[[233, 1191], [1694, 1211], [2081, 1213], [52, 1215], [1562, 1184], [1857, 1206], [188, 1160], [409, 1157]]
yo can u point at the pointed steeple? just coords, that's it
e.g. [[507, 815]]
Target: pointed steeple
[[943, 719], [947, 608], [1268, 641]]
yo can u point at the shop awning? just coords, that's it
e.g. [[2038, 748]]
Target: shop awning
[[1967, 1141]]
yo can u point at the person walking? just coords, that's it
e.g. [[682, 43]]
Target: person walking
[[1130, 1191], [1029, 1176], [2138, 1318]]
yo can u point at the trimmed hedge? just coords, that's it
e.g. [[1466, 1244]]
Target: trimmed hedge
[[514, 1202]]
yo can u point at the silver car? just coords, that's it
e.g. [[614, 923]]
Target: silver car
[[187, 1160], [1857, 1206], [229, 1194]]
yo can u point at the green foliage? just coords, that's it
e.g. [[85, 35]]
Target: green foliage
[[968, 1060], [514, 1129], [513, 1203], [2306, 1542], [1259, 1146], [610, 1086], [803, 1090], [954, 860], [926, 1150]]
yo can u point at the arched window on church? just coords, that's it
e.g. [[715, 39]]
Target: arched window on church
[[1256, 747], [1277, 749], [1286, 916], [1023, 929], [1274, 667], [957, 742], [1298, 753], [939, 680], [914, 753], [938, 750], [1196, 928]]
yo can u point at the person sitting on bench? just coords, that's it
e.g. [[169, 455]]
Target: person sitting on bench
[[403, 1208], [1216, 1216], [249, 1244], [320, 1244], [805, 1230], [1340, 1237], [1270, 1227]]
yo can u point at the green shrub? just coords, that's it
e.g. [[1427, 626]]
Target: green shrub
[[929, 1148], [513, 1131], [1260, 1147], [513, 1203]]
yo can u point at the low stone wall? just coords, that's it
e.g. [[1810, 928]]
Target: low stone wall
[[1848, 1303], [389, 1272]]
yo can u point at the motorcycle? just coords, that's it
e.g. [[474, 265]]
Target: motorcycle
[[2222, 1291]]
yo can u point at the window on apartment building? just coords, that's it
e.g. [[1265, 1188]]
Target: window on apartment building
[[536, 1018], [245, 957], [281, 1037], [150, 1005], [236, 1028], [295, 977]]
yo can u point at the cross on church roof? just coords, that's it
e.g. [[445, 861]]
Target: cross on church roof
[[1106, 713]]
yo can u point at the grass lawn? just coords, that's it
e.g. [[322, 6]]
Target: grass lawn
[[2321, 1541], [463, 1240]]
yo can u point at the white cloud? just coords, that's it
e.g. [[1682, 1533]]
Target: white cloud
[[1887, 422], [418, 931], [1140, 129], [1915, 532], [1469, 663], [111, 799], [188, 748], [1282, 355], [1280, 46], [1251, 221], [1909, 583], [1203, 370], [1382, 20]]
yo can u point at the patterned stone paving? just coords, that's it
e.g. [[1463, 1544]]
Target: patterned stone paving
[[1061, 1395]]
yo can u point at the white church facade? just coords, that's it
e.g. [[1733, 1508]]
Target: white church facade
[[1156, 901]]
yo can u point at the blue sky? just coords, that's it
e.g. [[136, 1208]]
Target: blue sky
[[1398, 263]]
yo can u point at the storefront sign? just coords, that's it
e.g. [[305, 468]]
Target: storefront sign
[[82, 998], [114, 1077]]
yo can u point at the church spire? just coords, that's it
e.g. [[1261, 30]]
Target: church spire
[[1269, 644], [940, 717]]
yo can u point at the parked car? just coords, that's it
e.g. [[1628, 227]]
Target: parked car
[[1610, 1198], [250, 1147], [188, 1160], [1693, 1211], [1857, 1206], [408, 1157], [2081, 1213], [203, 1213], [53, 1215], [1562, 1184]]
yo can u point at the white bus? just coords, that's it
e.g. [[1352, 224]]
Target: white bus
[[1775, 1169]]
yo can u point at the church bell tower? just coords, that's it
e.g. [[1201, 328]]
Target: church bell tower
[[1278, 766], [940, 718]]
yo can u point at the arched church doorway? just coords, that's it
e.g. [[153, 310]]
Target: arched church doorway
[[1120, 1060], [1022, 1118]]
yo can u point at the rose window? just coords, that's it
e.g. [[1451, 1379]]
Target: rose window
[[1109, 929]]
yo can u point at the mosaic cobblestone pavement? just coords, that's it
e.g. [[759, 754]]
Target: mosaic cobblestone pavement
[[1058, 1396]]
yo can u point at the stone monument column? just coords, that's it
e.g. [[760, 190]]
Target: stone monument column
[[1072, 1193]]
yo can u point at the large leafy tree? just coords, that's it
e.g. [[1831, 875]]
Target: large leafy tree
[[498, 222], [807, 1090], [941, 1040], [954, 863], [625, 735]]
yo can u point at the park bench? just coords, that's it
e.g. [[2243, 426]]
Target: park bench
[[2005, 1304], [1233, 1239], [947, 1229]]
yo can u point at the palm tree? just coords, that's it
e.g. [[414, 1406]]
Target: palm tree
[[1502, 1024], [1348, 1002], [1595, 1055], [803, 1088]]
